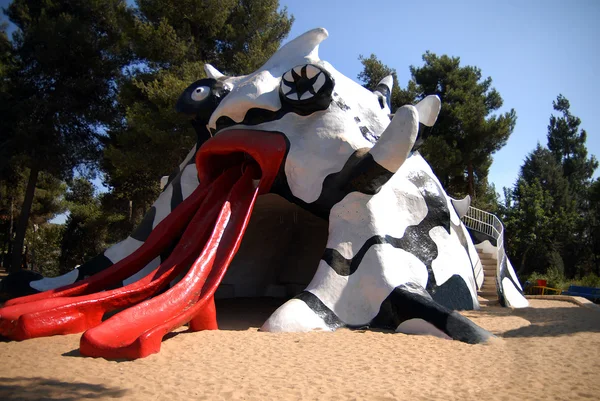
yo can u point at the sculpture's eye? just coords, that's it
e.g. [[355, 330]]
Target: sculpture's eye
[[201, 98], [200, 93], [307, 88]]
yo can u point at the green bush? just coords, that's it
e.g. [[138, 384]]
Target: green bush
[[591, 280], [555, 279]]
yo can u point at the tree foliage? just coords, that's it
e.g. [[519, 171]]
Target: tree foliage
[[374, 71], [539, 214], [460, 145], [550, 216], [467, 132], [87, 229], [67, 55], [48, 201], [43, 248], [152, 139], [172, 41], [93, 83], [567, 144], [235, 35]]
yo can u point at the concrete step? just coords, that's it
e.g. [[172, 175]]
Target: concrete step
[[488, 302], [488, 294]]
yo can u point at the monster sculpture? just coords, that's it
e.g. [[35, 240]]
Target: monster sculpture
[[388, 249]]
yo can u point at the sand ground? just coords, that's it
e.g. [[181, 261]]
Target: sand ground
[[550, 351]]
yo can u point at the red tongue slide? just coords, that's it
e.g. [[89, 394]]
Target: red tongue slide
[[140, 334], [76, 314], [167, 231], [221, 211]]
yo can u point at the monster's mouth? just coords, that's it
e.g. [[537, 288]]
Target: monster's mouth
[[234, 168]]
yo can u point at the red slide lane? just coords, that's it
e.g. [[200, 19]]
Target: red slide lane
[[163, 235], [76, 314], [138, 331]]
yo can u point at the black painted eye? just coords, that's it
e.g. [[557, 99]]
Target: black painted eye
[[306, 88], [200, 93], [201, 98]]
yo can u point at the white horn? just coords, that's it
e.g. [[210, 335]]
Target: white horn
[[395, 143], [212, 72], [461, 205], [429, 108]]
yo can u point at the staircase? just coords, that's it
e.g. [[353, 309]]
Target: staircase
[[488, 293], [489, 224]]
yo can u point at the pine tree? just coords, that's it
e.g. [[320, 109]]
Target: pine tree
[[567, 144], [466, 132], [460, 145], [374, 71], [172, 39], [539, 215], [569, 242], [68, 54]]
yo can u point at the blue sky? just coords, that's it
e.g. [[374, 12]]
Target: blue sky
[[532, 49]]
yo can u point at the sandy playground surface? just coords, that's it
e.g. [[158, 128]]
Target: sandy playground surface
[[550, 351]]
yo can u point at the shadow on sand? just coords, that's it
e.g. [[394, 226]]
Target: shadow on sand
[[245, 313], [36, 388], [548, 322], [233, 314]]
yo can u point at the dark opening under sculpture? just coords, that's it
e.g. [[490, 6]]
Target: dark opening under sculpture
[[349, 222]]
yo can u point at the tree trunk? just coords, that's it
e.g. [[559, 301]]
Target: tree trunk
[[470, 180], [23, 219], [10, 235], [523, 259]]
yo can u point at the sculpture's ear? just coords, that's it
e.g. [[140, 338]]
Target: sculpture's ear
[[212, 72], [384, 88], [461, 205], [429, 108]]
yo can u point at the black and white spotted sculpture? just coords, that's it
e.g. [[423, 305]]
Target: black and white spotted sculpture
[[380, 243]]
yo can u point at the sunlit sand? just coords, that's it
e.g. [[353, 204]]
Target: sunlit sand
[[550, 351]]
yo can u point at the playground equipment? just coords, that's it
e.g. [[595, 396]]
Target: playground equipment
[[296, 135]]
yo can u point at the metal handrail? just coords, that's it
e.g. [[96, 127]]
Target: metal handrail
[[489, 224]]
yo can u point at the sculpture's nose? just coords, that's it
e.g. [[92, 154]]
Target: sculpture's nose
[[256, 91]]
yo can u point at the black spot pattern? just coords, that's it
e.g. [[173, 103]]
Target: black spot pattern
[[368, 135], [405, 303], [320, 309], [416, 239], [176, 194], [387, 95], [342, 105], [454, 294], [93, 266], [143, 230], [361, 173], [171, 178], [463, 241]]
